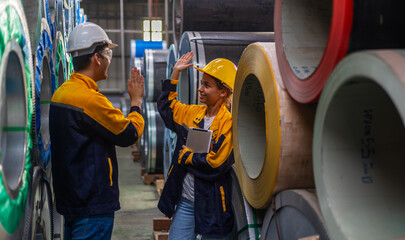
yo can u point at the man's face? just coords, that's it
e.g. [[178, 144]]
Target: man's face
[[105, 59]]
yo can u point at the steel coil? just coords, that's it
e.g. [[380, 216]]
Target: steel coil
[[39, 209], [171, 60], [68, 19], [313, 36], [295, 215], [155, 71], [225, 15], [16, 112], [34, 12], [60, 17], [45, 85], [206, 47], [272, 134], [248, 221], [59, 54], [359, 138], [169, 145], [153, 141]]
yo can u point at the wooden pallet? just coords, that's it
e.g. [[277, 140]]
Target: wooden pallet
[[135, 154], [161, 227], [149, 178], [159, 183]]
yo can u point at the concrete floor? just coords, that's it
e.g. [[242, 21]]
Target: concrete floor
[[138, 201]]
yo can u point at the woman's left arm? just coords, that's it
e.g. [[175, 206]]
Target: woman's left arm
[[217, 161]]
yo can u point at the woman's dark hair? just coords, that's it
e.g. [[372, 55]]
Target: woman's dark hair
[[82, 62]]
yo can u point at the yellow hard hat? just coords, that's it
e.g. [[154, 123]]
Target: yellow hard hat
[[221, 69]]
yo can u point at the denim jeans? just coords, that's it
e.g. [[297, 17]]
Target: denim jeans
[[97, 227], [183, 223]]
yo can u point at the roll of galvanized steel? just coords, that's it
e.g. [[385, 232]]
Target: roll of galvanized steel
[[45, 85], [60, 17], [225, 15], [358, 147], [34, 12], [154, 129], [16, 113], [312, 37], [59, 54], [295, 214], [170, 137], [248, 221], [143, 142], [272, 133], [169, 145], [206, 47], [39, 210], [171, 60], [49, 15], [155, 62], [68, 19]]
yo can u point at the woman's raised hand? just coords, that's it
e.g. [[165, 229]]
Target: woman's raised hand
[[182, 64]]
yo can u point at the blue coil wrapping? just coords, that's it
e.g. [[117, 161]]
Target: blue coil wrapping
[[45, 43], [48, 19]]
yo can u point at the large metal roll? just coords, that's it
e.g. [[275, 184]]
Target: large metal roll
[[169, 145], [154, 130], [155, 62], [225, 15], [49, 15], [206, 47], [313, 36], [45, 85], [16, 111], [248, 221], [34, 12], [295, 215], [272, 134], [59, 54], [60, 17], [171, 60], [39, 209], [358, 147], [68, 19]]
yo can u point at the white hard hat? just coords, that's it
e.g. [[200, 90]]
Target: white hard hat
[[84, 38]]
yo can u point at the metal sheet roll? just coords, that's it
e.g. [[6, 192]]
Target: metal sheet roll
[[143, 142], [155, 130], [295, 215], [139, 64], [170, 137], [169, 145], [34, 12], [16, 113], [49, 15], [155, 72], [272, 134], [68, 19], [59, 54], [45, 85], [60, 17], [313, 36], [248, 221], [171, 60], [225, 15], [358, 146], [38, 223], [206, 47]]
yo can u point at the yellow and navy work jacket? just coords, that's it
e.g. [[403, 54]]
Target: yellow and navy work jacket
[[212, 179], [84, 128]]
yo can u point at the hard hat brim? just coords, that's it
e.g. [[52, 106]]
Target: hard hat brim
[[112, 45], [201, 70]]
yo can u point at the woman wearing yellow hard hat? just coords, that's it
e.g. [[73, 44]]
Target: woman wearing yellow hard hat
[[197, 192]]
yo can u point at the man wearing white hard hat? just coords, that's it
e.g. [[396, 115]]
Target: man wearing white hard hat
[[84, 128]]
